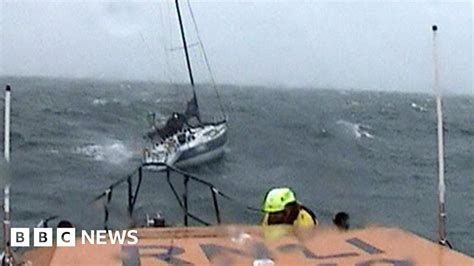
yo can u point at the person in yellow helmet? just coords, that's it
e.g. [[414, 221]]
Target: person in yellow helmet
[[281, 207]]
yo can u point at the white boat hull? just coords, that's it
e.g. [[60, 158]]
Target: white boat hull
[[201, 144]]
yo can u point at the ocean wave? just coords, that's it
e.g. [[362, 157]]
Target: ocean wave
[[115, 152], [358, 130], [102, 101], [99, 101], [353, 103], [418, 107]]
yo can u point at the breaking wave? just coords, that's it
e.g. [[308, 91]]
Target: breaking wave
[[99, 101], [102, 101], [357, 130], [418, 107], [115, 152]]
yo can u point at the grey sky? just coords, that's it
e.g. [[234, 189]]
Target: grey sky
[[378, 45]]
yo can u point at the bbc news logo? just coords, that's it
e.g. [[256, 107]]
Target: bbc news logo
[[66, 237]]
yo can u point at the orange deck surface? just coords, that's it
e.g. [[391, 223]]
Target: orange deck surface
[[254, 245]]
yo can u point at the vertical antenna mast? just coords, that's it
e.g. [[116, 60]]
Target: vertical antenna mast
[[439, 113], [7, 123], [186, 53]]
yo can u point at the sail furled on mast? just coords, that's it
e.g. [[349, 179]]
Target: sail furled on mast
[[192, 109]]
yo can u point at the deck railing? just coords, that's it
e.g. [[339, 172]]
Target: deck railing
[[183, 202]]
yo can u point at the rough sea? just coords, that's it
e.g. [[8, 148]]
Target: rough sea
[[371, 154]]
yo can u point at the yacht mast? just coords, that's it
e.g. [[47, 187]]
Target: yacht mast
[[186, 53]]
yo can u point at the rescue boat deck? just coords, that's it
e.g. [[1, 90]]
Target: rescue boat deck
[[254, 245]]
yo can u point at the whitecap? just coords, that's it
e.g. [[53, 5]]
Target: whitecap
[[357, 130], [114, 152], [418, 107], [99, 101], [355, 103]]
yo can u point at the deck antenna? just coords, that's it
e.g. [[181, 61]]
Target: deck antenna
[[441, 185], [7, 123]]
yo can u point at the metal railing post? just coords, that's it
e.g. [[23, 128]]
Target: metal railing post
[[185, 199], [130, 195], [135, 196], [106, 208], [216, 205]]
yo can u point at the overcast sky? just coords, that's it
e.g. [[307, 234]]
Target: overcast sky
[[380, 45]]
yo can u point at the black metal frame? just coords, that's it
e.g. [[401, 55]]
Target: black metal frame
[[182, 200]]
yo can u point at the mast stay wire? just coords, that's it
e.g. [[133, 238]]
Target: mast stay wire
[[206, 60]]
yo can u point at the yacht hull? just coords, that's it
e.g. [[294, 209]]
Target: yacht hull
[[206, 152], [202, 144]]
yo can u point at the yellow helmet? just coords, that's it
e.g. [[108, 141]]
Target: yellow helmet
[[277, 198]]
